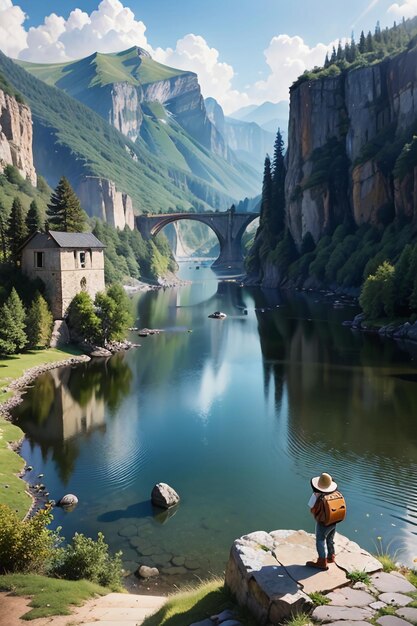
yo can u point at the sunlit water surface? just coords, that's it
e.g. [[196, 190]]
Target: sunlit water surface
[[236, 415]]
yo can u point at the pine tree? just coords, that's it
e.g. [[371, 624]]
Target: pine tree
[[39, 323], [34, 220], [266, 201], [333, 58], [278, 187], [64, 211], [16, 229], [339, 54], [353, 52], [378, 32], [12, 328], [362, 43], [369, 42], [326, 60], [3, 235]]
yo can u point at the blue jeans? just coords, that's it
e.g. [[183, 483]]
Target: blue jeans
[[325, 539]]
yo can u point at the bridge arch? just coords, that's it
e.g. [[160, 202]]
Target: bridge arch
[[228, 226]]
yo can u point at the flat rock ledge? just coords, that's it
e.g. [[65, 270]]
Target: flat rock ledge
[[267, 573]]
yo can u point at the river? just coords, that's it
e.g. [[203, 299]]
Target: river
[[236, 415]]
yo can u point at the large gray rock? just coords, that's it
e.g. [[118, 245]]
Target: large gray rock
[[391, 620], [392, 583], [147, 572], [164, 496], [267, 574], [350, 597], [408, 613], [347, 613]]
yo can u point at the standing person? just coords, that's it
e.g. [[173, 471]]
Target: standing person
[[326, 518]]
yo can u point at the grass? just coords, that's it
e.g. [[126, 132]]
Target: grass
[[387, 560], [50, 596], [359, 577], [303, 619], [318, 599], [11, 464], [198, 603]]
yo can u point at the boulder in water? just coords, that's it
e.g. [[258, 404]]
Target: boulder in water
[[68, 501], [164, 496]]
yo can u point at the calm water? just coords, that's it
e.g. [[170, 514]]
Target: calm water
[[236, 415]]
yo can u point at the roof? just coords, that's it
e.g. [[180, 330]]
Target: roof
[[76, 240]]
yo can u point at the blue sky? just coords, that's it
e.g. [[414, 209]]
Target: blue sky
[[243, 50]]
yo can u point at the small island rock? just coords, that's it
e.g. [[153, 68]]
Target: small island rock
[[68, 500], [164, 496]]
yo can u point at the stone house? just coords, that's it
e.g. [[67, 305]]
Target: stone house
[[67, 263]]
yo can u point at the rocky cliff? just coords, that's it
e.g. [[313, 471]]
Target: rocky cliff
[[248, 140], [349, 150], [100, 198], [16, 136]]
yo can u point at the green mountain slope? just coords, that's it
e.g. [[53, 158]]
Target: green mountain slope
[[161, 109], [71, 139], [102, 69]]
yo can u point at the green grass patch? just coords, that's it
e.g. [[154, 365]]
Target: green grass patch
[[318, 599], [198, 603], [11, 464], [387, 560], [50, 596], [303, 619], [359, 577]]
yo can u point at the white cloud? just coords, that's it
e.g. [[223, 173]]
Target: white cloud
[[406, 9], [12, 32], [113, 27], [193, 53], [110, 28], [287, 57]]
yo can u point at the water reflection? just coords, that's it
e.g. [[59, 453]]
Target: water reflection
[[236, 415]]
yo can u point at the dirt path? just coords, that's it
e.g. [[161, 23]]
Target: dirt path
[[115, 609]]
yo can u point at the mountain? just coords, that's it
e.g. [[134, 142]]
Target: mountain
[[248, 140], [269, 116], [161, 113]]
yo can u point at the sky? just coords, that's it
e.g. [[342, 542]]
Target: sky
[[244, 51]]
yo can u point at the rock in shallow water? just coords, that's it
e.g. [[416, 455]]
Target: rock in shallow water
[[147, 572], [164, 496]]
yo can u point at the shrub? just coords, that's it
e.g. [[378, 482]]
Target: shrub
[[89, 559], [28, 545], [378, 293]]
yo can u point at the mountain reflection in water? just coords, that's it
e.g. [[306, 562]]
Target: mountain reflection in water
[[237, 415]]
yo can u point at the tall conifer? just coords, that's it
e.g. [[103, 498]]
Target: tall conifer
[[16, 229], [64, 210], [13, 323], [34, 221], [278, 187]]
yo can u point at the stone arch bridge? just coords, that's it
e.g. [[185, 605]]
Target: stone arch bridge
[[228, 226]]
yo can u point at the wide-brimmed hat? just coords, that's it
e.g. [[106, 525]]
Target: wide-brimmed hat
[[324, 483]]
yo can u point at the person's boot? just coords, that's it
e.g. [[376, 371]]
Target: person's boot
[[319, 564], [331, 558]]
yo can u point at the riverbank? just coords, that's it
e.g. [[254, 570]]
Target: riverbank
[[16, 373]]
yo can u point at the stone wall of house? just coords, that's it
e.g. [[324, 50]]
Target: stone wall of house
[[75, 279], [62, 274]]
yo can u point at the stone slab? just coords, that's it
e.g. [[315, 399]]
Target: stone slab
[[385, 582], [273, 578], [409, 613], [398, 599], [346, 613], [343, 623], [358, 562], [377, 605], [294, 557], [391, 620], [350, 597]]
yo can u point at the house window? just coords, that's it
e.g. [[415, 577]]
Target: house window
[[39, 259], [82, 259]]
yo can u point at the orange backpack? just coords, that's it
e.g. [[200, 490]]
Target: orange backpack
[[330, 508]]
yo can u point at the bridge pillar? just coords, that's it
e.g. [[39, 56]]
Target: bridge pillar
[[231, 255]]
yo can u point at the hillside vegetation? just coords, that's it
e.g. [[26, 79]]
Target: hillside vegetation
[[71, 139]]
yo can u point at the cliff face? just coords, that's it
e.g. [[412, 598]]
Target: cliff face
[[248, 140], [125, 113], [345, 136], [100, 198], [16, 136]]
